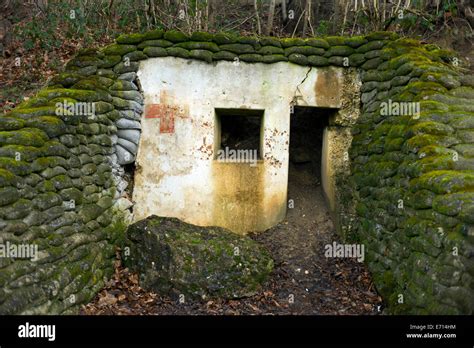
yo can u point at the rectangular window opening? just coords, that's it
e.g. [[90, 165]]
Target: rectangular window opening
[[239, 134]]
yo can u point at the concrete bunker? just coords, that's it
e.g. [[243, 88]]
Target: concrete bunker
[[223, 131], [408, 199]]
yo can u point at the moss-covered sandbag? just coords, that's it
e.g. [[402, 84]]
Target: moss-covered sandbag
[[175, 257]]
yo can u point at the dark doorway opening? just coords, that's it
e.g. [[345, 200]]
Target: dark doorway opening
[[306, 140]]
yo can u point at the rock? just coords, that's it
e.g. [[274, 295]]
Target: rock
[[207, 262]]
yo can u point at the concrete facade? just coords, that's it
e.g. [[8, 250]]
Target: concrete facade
[[177, 173]]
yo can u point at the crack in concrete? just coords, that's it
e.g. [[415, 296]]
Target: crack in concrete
[[296, 96]]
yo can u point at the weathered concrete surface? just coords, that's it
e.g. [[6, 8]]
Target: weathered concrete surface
[[177, 174], [334, 162]]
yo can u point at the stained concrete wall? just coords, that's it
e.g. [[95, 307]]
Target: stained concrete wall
[[177, 174]]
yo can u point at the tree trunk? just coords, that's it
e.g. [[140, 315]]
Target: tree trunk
[[271, 14]]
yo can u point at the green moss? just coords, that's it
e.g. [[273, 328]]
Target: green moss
[[421, 140], [224, 38], [125, 67], [317, 42], [250, 40], [266, 50], [154, 34], [289, 42], [270, 41], [83, 61], [305, 50], [81, 95], [89, 84], [110, 61], [444, 79], [372, 63], [412, 58], [26, 136], [106, 73], [7, 178], [318, 61], [175, 36], [453, 204], [51, 125], [430, 127], [192, 45], [339, 51], [155, 52], [337, 61], [335, 40], [224, 55], [130, 38], [433, 163], [26, 113], [177, 52], [9, 122], [370, 46], [201, 55], [444, 181], [466, 150], [14, 166], [274, 58], [298, 59], [394, 144], [422, 86], [355, 41], [356, 59], [155, 43], [118, 50], [238, 48], [135, 56], [201, 36], [251, 58], [27, 153]]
